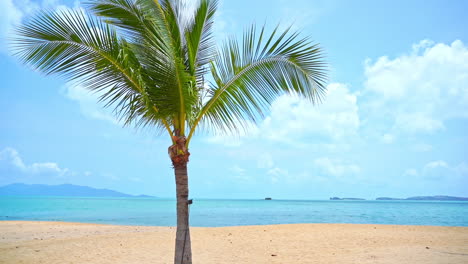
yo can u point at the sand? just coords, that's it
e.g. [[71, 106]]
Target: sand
[[57, 242]]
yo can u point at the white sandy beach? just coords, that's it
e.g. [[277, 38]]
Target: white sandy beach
[[57, 242]]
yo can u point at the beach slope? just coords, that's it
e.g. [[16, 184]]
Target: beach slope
[[57, 242]]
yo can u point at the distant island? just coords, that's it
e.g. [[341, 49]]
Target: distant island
[[346, 199], [425, 198], [60, 190], [414, 198]]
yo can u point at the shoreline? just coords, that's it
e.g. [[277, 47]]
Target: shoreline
[[68, 242], [287, 224]]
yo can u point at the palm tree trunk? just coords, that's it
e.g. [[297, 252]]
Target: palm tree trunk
[[179, 155], [183, 250]]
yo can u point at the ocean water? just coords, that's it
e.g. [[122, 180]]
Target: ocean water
[[211, 213]]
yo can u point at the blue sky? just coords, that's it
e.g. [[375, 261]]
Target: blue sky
[[393, 123]]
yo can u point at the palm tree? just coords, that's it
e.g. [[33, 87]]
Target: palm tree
[[157, 65]]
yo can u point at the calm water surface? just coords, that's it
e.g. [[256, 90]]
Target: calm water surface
[[161, 212]]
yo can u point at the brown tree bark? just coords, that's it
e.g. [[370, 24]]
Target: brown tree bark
[[183, 249], [179, 155]]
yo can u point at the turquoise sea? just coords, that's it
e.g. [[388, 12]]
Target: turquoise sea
[[205, 212]]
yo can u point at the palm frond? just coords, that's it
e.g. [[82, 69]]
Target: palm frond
[[124, 14], [184, 85], [148, 26], [198, 36], [200, 49], [249, 76], [83, 49]]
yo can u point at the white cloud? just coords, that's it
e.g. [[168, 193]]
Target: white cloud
[[336, 167], [436, 170], [293, 118], [411, 173], [235, 140], [11, 16], [13, 11], [47, 167], [415, 122], [12, 157], [440, 170], [409, 94], [88, 102], [436, 164], [423, 44], [237, 170], [418, 92], [239, 174], [276, 173]]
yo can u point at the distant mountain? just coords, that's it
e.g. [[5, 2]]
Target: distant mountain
[[60, 190], [428, 198]]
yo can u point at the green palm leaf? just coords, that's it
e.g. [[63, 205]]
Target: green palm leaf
[[83, 49], [249, 76]]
